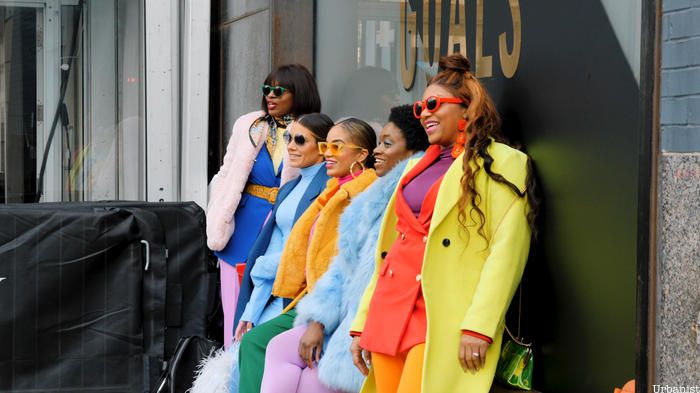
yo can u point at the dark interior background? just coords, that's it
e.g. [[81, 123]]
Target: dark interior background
[[574, 104]]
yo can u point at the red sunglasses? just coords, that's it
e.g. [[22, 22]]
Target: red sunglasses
[[432, 103]]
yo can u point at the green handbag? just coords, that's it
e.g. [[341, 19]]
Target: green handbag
[[514, 369]]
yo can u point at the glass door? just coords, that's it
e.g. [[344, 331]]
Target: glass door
[[71, 100], [21, 99]]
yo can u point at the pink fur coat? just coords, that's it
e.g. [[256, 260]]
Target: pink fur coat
[[228, 184]]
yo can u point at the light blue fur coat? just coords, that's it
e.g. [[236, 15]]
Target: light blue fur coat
[[335, 299]]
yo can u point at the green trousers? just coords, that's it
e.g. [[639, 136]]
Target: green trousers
[[251, 354]]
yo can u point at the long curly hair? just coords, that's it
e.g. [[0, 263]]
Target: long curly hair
[[484, 126]]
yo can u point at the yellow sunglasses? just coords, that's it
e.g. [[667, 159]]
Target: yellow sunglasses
[[335, 147]]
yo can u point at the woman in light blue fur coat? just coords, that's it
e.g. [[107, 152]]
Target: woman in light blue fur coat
[[317, 350]]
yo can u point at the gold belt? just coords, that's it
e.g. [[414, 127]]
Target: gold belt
[[267, 193]]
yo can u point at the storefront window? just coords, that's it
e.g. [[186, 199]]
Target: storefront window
[[19, 101], [372, 55], [71, 100], [358, 57]]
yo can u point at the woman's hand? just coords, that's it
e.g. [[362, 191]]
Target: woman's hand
[[242, 328], [311, 344], [360, 358], [472, 353]]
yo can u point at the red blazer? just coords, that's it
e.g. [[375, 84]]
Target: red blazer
[[396, 320]]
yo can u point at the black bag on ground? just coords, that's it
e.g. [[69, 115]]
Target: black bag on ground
[[179, 375]]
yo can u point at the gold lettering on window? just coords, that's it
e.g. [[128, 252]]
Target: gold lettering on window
[[458, 30], [456, 17], [436, 18], [484, 64], [509, 61], [408, 33]]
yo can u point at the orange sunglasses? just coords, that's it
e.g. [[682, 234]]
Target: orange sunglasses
[[432, 103], [335, 147]]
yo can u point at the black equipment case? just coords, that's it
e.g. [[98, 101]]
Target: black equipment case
[[95, 296]]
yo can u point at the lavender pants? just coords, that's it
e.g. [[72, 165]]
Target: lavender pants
[[285, 371], [229, 298]]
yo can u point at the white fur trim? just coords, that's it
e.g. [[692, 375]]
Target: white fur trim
[[231, 180], [214, 373]]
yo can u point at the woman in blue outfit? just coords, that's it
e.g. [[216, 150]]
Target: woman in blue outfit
[[245, 188], [255, 302], [324, 316], [294, 197]]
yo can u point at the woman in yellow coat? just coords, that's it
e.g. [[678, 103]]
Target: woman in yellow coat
[[451, 251]]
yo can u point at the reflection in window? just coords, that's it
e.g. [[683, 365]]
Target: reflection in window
[[97, 150], [357, 59], [19, 102], [71, 110]]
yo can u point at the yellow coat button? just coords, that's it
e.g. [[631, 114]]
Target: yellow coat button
[[403, 236], [391, 273], [418, 277], [425, 239]]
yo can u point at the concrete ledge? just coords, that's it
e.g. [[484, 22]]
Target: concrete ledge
[[678, 297]]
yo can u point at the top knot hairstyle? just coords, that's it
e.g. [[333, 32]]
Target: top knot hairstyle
[[456, 63], [455, 75], [484, 125]]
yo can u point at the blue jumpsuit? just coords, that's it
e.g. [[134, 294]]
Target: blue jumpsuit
[[251, 212]]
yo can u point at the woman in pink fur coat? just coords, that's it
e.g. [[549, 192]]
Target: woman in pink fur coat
[[245, 188]]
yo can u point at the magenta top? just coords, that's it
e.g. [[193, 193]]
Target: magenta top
[[345, 179], [415, 191]]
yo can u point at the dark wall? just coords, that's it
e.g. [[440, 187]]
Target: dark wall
[[250, 38], [574, 103]]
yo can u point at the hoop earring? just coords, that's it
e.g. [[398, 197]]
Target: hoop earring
[[458, 148], [352, 172]]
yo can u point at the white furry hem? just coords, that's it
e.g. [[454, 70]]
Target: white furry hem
[[214, 373]]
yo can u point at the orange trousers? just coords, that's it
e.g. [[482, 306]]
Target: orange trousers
[[399, 374]]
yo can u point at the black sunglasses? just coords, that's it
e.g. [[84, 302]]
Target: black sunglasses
[[276, 90], [298, 139]]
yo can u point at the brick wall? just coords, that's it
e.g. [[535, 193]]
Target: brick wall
[[680, 78]]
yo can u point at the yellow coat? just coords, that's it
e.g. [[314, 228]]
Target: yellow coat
[[304, 259], [467, 284]]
